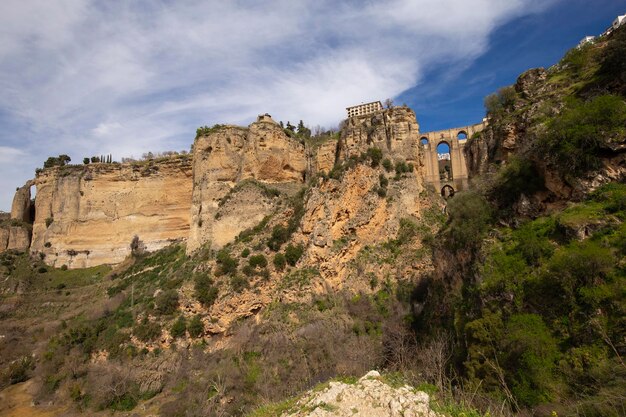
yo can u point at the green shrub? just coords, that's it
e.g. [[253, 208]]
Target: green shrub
[[383, 181], [205, 291], [496, 103], [278, 237], [227, 264], [147, 331], [238, 283], [257, 261], [613, 63], [402, 168], [532, 352], [375, 155], [388, 165], [293, 254], [19, 370], [166, 302], [279, 261], [245, 253], [469, 216], [576, 138], [248, 270], [179, 328], [518, 177], [196, 327], [205, 130]]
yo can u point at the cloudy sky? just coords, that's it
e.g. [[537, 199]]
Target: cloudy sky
[[89, 77]]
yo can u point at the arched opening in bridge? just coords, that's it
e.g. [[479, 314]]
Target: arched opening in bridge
[[445, 162], [447, 191], [424, 141], [462, 135], [33, 194]]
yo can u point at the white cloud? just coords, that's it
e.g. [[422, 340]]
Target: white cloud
[[90, 77]]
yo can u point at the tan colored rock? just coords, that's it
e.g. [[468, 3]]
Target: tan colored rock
[[19, 238], [322, 156], [227, 156], [14, 238], [370, 396], [21, 207], [395, 131], [4, 238], [343, 217], [88, 215]]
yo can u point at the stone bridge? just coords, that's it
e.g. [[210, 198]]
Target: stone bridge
[[444, 159]]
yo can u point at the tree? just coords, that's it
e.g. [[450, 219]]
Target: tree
[[290, 126], [86, 161], [95, 159], [388, 103], [303, 131], [56, 161]]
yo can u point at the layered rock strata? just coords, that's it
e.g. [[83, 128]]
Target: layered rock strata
[[89, 215], [394, 131], [227, 156]]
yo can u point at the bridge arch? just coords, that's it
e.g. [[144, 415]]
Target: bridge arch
[[424, 140], [444, 161], [462, 135], [447, 191]]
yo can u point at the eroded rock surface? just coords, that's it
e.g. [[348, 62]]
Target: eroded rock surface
[[224, 158], [88, 215], [369, 397]]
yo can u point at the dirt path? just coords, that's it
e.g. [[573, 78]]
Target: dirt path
[[16, 401]]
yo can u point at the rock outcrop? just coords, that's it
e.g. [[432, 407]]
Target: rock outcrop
[[14, 238], [227, 156], [88, 215], [394, 131], [343, 217], [370, 396], [22, 207]]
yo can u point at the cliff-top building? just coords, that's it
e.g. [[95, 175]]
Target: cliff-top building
[[363, 109]]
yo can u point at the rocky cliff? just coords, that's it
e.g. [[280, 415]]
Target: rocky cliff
[[227, 156], [88, 215], [14, 237], [395, 131]]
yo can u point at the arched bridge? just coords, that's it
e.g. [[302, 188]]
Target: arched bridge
[[444, 159]]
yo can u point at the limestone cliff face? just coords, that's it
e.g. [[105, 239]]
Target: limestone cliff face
[[14, 238], [88, 215], [395, 131], [21, 207], [227, 156], [345, 221]]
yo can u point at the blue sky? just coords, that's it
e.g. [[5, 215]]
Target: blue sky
[[86, 77]]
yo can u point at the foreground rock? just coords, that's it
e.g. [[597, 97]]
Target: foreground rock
[[370, 396]]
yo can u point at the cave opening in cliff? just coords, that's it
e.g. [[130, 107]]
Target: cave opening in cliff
[[445, 163]]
